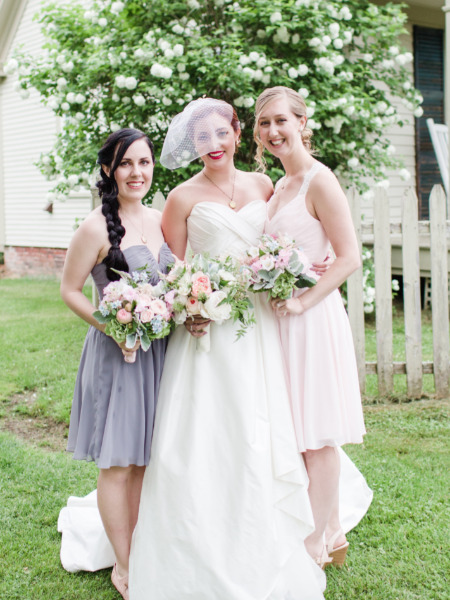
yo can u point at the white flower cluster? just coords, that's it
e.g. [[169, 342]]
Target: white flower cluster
[[130, 83], [161, 71], [244, 102]]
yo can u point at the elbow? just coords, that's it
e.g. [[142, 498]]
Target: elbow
[[352, 264]]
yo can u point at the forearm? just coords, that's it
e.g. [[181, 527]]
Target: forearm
[[81, 306], [339, 271]]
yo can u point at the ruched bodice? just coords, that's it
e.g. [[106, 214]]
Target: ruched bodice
[[137, 256], [295, 219], [216, 229]]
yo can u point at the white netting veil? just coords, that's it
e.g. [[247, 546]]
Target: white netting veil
[[194, 132]]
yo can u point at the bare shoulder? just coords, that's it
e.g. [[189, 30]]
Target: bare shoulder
[[94, 225], [183, 197], [324, 184], [154, 214], [260, 181]]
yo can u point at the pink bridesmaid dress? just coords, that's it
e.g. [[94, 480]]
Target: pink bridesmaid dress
[[318, 349]]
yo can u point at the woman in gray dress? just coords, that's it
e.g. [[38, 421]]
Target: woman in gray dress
[[116, 389]]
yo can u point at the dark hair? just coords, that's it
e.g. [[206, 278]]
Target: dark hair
[[111, 155]]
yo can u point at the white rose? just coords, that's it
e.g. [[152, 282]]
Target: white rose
[[226, 275], [180, 317], [267, 262], [253, 251], [212, 310]]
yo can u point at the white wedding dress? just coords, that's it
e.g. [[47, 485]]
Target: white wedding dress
[[224, 506]]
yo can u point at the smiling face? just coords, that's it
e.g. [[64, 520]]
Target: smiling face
[[215, 139], [134, 173], [279, 128]]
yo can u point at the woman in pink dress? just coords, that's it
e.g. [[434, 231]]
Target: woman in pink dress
[[309, 205]]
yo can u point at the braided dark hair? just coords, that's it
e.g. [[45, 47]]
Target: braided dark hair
[[111, 155]]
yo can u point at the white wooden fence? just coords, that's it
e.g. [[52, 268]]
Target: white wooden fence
[[436, 233]]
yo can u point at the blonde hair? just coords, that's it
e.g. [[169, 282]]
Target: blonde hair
[[297, 106]]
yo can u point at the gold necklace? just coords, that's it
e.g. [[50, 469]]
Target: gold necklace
[[142, 234], [232, 203]]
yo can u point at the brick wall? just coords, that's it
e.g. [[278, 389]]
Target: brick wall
[[22, 261]]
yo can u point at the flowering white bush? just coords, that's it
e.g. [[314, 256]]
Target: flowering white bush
[[113, 64]]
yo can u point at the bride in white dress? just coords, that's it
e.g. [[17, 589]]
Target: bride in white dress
[[224, 506]]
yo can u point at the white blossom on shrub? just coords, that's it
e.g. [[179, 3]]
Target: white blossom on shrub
[[107, 73]]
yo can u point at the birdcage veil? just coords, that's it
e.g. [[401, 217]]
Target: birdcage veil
[[191, 133]]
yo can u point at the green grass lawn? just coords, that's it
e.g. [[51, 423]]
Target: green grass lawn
[[398, 552]]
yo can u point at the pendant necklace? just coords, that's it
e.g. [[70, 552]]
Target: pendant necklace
[[141, 234], [232, 203]]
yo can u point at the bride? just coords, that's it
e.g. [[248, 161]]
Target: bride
[[224, 508]]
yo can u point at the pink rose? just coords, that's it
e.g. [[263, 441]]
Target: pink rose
[[193, 306], [200, 284], [123, 316], [256, 266], [283, 258], [159, 307], [170, 297], [147, 315]]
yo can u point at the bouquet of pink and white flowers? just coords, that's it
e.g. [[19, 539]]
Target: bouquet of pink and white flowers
[[277, 266], [215, 288], [134, 310]]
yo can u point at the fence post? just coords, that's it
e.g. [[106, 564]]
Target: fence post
[[355, 303], [439, 291], [383, 292], [411, 294]]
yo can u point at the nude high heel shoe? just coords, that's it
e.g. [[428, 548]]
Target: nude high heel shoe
[[337, 554]]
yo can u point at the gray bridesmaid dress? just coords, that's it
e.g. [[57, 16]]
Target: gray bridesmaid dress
[[114, 402]]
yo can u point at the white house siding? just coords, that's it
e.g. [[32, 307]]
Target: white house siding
[[28, 128], [403, 139]]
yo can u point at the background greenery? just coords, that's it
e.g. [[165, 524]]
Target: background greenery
[[109, 64]]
